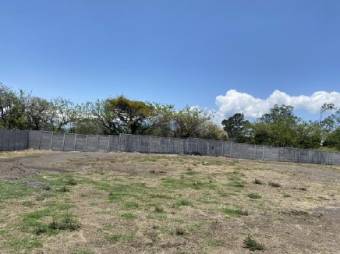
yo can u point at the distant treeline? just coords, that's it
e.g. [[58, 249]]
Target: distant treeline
[[279, 127]]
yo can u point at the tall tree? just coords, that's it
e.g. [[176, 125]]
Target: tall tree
[[38, 112], [12, 109], [236, 127]]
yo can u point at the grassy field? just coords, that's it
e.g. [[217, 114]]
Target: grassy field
[[54, 202]]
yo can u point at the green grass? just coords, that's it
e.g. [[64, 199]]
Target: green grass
[[235, 180], [114, 238], [10, 190], [50, 220], [158, 209], [119, 191], [18, 245], [131, 205], [128, 216], [234, 212], [251, 244], [183, 202], [187, 182], [254, 196], [82, 251]]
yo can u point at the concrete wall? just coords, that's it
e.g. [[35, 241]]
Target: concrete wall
[[11, 140], [150, 144]]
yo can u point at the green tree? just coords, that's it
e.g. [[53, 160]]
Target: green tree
[[236, 127], [121, 115], [12, 109], [38, 113], [333, 139]]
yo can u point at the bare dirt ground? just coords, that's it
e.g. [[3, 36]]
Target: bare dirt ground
[[55, 202]]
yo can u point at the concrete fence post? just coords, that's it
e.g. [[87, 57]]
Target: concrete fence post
[[75, 142], [64, 141], [263, 153], [85, 147], [51, 143], [230, 149], [108, 143], [40, 138]]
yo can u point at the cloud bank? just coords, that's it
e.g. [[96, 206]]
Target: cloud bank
[[253, 107]]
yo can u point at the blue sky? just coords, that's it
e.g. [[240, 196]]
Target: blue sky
[[179, 52]]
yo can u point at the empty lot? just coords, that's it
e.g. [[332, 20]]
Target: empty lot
[[55, 202]]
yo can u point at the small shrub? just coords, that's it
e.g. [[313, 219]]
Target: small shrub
[[63, 189], [71, 181], [190, 171], [251, 244], [235, 212], [159, 209], [131, 205], [67, 222], [40, 229], [183, 202], [275, 185], [82, 251], [258, 181], [120, 238], [128, 216], [254, 196], [46, 187], [179, 231]]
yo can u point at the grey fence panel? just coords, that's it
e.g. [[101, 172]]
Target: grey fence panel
[[178, 146], [92, 143], [69, 142], [143, 144], [57, 142], [81, 142], [5, 137], [271, 153], [18, 140], [154, 145], [34, 139], [335, 158], [114, 143], [46, 140], [2, 140], [104, 143], [21, 140], [11, 140]]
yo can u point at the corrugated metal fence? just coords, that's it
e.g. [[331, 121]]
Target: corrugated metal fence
[[18, 140]]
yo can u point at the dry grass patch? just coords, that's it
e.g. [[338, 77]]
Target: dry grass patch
[[135, 203]]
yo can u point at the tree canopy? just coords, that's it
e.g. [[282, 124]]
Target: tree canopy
[[278, 127]]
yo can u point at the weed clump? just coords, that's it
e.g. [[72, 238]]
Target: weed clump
[[158, 209], [274, 184], [63, 189], [179, 231], [258, 181], [71, 181], [128, 216], [251, 244], [254, 196], [183, 202], [235, 212], [67, 222]]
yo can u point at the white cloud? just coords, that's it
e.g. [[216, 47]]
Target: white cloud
[[252, 107]]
